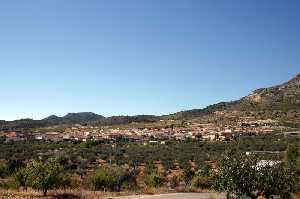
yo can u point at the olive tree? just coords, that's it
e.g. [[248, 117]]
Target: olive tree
[[242, 175], [42, 176], [22, 178]]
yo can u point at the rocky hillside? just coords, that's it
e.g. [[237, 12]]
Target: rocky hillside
[[284, 97]]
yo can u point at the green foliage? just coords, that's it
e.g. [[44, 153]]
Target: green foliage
[[8, 185], [3, 170], [154, 180], [135, 153], [277, 180], [9, 168], [237, 173], [188, 175], [22, 178], [242, 175], [149, 168], [292, 153], [14, 165], [110, 178], [88, 144], [42, 176]]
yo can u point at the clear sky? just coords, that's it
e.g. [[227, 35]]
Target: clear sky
[[130, 57]]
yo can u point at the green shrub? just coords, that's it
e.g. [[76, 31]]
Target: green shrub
[[8, 185], [188, 175], [154, 180], [111, 178], [3, 170]]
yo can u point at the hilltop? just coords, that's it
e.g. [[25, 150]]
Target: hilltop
[[74, 118]]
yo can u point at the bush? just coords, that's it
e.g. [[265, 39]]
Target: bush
[[200, 182], [188, 175], [8, 185], [154, 180], [14, 165], [111, 178], [3, 170]]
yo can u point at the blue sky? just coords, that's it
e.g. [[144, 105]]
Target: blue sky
[[130, 57]]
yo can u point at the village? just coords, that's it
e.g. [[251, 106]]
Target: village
[[201, 131]]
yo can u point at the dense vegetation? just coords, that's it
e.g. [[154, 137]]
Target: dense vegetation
[[237, 173], [79, 155], [244, 175]]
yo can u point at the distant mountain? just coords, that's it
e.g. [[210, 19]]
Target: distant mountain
[[52, 118], [82, 117]]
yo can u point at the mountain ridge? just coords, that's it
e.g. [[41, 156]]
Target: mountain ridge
[[285, 96], [79, 117]]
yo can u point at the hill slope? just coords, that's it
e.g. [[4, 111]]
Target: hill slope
[[283, 97]]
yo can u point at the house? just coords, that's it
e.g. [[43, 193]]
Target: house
[[14, 136], [53, 136], [210, 136], [38, 137], [153, 142], [66, 136]]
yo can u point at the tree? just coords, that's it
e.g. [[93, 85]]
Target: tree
[[45, 176], [242, 175], [22, 178], [236, 174], [277, 180], [292, 153]]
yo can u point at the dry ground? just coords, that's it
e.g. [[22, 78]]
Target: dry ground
[[84, 194], [63, 194]]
